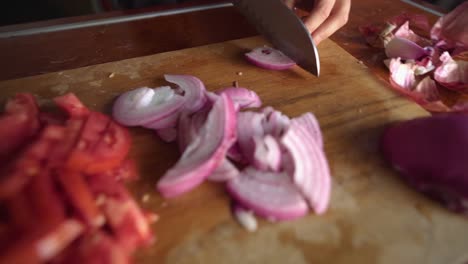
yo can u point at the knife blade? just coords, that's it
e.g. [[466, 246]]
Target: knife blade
[[283, 28]]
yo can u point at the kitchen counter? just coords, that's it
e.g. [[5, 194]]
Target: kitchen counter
[[69, 43]]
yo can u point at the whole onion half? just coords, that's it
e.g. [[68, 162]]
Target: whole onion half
[[430, 154]]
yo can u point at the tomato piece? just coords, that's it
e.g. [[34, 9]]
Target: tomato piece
[[61, 152], [20, 214], [29, 163], [111, 150], [80, 197], [46, 202], [126, 220], [127, 171], [19, 123], [72, 105], [96, 248], [94, 129]]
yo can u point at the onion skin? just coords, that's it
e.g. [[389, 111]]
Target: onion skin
[[404, 49], [430, 155]]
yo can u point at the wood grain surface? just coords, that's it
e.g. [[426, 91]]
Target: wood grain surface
[[373, 217]]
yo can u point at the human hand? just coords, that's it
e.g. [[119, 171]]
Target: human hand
[[453, 26], [325, 17]]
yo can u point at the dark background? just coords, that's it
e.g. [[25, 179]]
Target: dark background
[[23, 11]]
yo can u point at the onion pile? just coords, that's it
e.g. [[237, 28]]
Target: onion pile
[[271, 165], [419, 66]]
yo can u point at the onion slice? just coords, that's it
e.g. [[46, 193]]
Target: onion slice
[[143, 105], [249, 126], [167, 134], [193, 88], [269, 58], [451, 73], [269, 194], [267, 154], [205, 152], [404, 49], [243, 97], [311, 171], [225, 171]]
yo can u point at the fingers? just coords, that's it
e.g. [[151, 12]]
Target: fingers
[[289, 3], [319, 14], [338, 18]]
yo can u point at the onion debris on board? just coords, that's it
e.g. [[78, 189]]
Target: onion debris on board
[[413, 57], [272, 165]]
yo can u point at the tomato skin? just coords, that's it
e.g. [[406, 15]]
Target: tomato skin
[[72, 105], [19, 123]]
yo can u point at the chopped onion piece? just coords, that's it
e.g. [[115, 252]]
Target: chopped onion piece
[[452, 74], [275, 197], [193, 88], [144, 105], [224, 172], [243, 97], [245, 218], [311, 171], [404, 49]]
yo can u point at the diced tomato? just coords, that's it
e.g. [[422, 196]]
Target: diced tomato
[[80, 197], [126, 220], [18, 173], [60, 153], [19, 123], [111, 150], [100, 148], [43, 244], [127, 171], [96, 248], [46, 202], [21, 217], [49, 118], [72, 105], [93, 130]]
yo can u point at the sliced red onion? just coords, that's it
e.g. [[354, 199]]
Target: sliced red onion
[[144, 105], [275, 123], [224, 172], [184, 133], [311, 171], [235, 154], [167, 134], [276, 198], [163, 123], [404, 49], [269, 58], [205, 152], [194, 90], [249, 126], [451, 73], [267, 154], [312, 125], [405, 32], [453, 20], [243, 97], [402, 74]]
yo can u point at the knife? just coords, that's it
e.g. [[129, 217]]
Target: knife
[[283, 28]]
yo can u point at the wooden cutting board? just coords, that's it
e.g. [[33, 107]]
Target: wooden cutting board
[[373, 217]]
